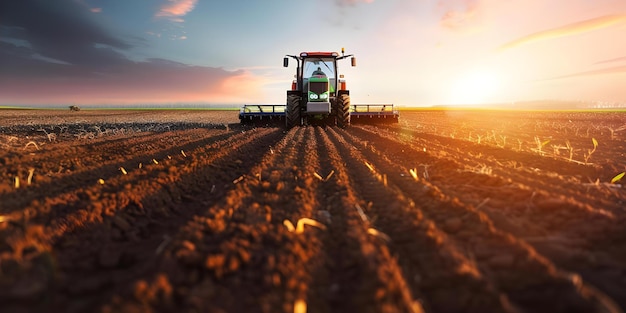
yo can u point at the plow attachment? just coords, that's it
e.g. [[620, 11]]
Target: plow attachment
[[373, 114], [263, 114]]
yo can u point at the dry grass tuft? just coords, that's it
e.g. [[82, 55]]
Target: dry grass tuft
[[299, 229]]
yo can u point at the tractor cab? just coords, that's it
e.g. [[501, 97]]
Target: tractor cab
[[319, 84]]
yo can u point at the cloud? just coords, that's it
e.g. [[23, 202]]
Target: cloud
[[33, 80], [622, 59], [54, 51], [175, 9], [96, 10], [459, 15], [568, 30], [604, 71], [62, 30]]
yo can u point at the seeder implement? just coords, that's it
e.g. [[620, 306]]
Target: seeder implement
[[262, 113], [359, 114], [373, 114]]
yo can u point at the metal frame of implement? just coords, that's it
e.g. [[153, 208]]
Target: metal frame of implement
[[365, 113]]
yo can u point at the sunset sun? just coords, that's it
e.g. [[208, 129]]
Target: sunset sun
[[474, 87]]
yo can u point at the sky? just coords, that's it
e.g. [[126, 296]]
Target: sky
[[409, 52]]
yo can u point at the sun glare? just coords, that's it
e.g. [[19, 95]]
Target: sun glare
[[474, 87]]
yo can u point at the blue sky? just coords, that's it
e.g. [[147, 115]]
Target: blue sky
[[410, 52]]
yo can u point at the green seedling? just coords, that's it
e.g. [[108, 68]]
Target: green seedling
[[618, 177]]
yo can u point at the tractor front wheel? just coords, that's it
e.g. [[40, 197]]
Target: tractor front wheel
[[343, 110], [292, 111]]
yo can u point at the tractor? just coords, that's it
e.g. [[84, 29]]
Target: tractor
[[318, 95]]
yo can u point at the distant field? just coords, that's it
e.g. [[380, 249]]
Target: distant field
[[186, 210]]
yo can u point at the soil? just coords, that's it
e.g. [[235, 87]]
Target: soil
[[188, 211]]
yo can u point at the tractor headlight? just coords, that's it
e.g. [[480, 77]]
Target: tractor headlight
[[313, 96], [324, 96]]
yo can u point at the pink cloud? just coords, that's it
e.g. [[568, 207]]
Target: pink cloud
[[96, 10], [175, 9], [568, 30], [460, 14], [604, 71], [154, 81], [622, 59]]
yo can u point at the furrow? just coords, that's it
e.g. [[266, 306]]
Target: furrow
[[513, 265], [128, 227], [554, 176], [240, 249], [572, 234], [433, 265], [550, 214], [362, 275], [106, 165]]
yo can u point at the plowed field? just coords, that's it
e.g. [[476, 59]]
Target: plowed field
[[182, 211]]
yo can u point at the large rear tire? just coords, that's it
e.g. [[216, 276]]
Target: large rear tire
[[343, 110], [293, 111]]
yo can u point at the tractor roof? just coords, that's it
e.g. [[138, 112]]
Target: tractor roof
[[319, 54]]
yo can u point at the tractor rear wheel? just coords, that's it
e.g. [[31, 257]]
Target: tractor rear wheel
[[343, 110], [292, 111]]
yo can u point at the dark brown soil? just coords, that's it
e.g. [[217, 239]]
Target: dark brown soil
[[187, 211]]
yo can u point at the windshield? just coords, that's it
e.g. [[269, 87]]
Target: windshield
[[319, 66]]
